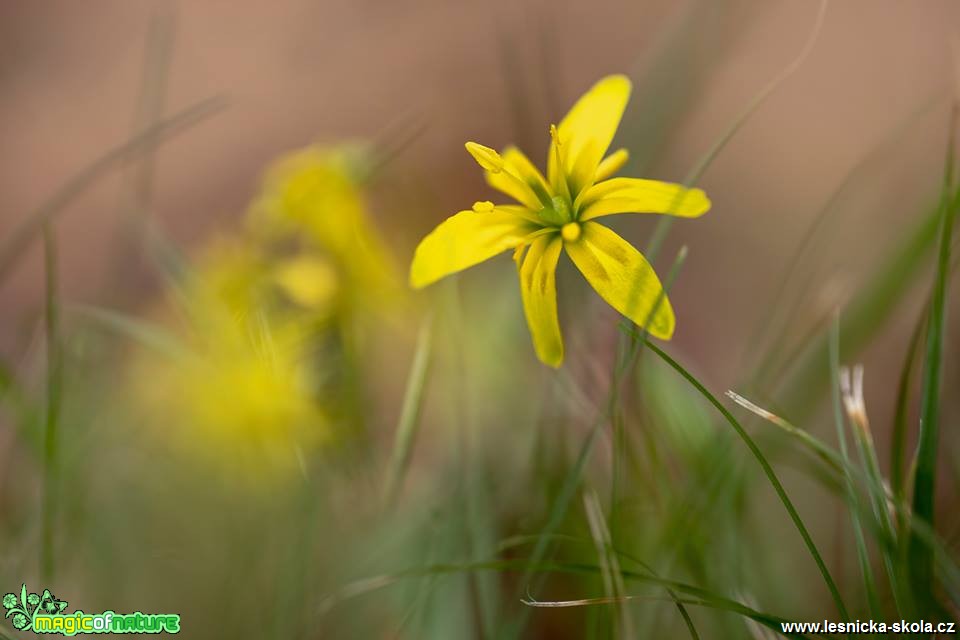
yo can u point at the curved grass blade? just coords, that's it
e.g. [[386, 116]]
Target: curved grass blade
[[16, 241], [517, 541], [768, 471], [696, 595], [817, 446], [149, 335], [663, 225], [772, 328]]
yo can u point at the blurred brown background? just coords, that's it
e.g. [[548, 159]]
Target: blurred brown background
[[73, 74]]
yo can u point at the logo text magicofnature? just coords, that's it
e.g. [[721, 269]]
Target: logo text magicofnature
[[44, 614]]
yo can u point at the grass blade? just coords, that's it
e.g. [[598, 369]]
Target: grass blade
[[921, 555], [863, 555], [18, 239], [54, 399], [768, 471], [898, 435], [695, 595], [664, 224], [409, 423]]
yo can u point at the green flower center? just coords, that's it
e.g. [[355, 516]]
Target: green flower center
[[559, 213]]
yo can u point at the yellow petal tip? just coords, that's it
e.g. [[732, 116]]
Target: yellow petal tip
[[486, 157]]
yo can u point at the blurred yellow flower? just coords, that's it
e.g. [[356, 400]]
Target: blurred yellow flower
[[559, 212], [314, 196], [263, 310], [240, 395]]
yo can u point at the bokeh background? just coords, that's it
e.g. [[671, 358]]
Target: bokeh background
[[820, 186]]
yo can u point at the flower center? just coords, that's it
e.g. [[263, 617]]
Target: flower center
[[570, 231], [558, 213]]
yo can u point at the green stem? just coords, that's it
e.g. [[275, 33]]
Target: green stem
[[53, 403]]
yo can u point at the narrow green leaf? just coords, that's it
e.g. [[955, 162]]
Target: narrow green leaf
[[54, 398], [768, 471], [863, 555], [17, 240], [924, 489], [409, 423], [898, 435]]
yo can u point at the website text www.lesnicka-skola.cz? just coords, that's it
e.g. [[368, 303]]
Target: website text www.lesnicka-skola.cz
[[869, 626]]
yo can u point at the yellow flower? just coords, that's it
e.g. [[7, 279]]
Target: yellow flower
[[247, 277], [240, 392], [559, 212], [313, 196]]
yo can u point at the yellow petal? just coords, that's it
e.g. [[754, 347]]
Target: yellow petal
[[622, 277], [611, 164], [520, 180], [538, 285], [588, 129], [636, 195], [466, 239]]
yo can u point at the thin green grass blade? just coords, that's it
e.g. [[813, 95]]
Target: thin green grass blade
[[139, 178], [863, 317], [772, 329], [612, 578], [695, 595], [17, 241], [921, 555], [518, 541], [768, 472], [863, 555], [819, 448], [149, 335], [409, 423], [561, 504], [689, 46], [665, 223], [898, 435], [54, 400]]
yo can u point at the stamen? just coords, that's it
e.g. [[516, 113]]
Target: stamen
[[483, 206], [486, 157], [560, 185], [493, 162]]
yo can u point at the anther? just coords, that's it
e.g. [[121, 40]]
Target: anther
[[485, 157]]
